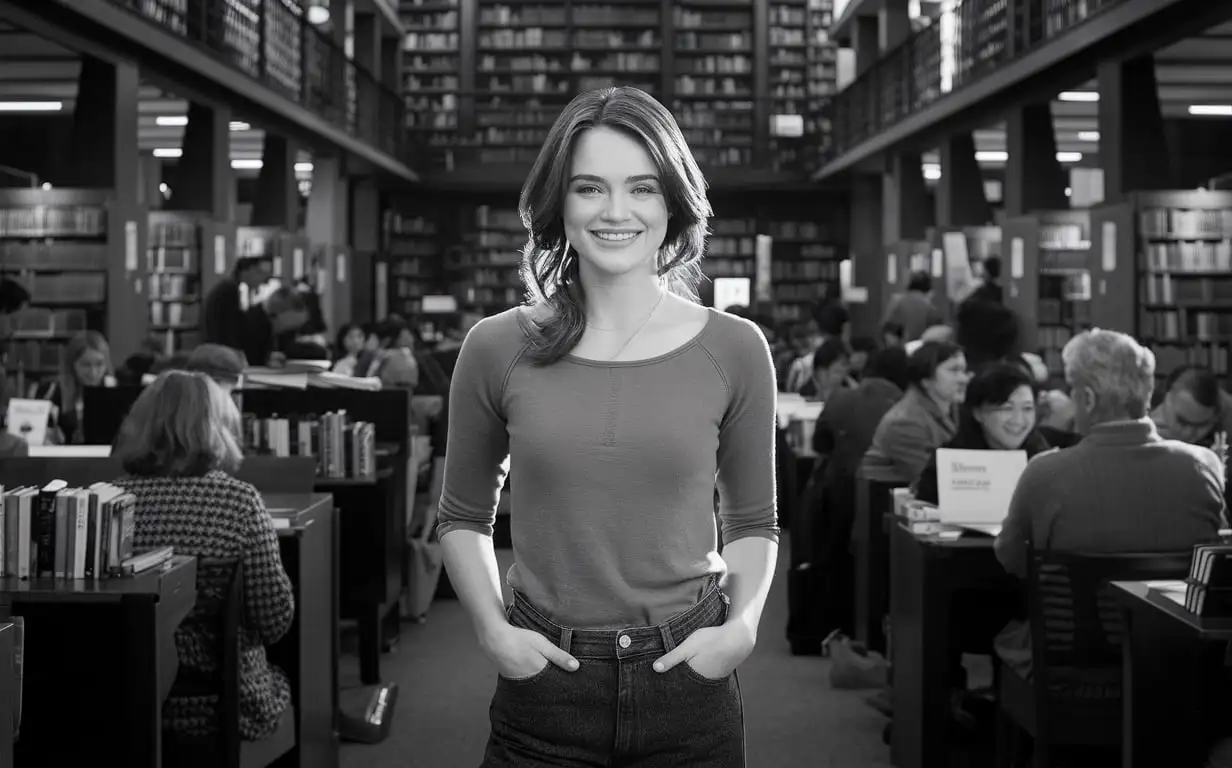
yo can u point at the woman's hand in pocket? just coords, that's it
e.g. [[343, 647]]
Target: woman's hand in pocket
[[712, 652], [521, 653]]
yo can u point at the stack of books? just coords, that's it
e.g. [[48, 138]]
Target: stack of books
[[301, 374], [66, 533], [343, 448], [1208, 590]]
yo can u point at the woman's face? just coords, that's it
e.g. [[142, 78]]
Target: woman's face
[[615, 213], [372, 343], [353, 342], [405, 339], [949, 381], [831, 376], [1007, 425], [90, 368]]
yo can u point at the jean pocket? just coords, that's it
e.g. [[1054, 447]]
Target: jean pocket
[[698, 677], [529, 678]]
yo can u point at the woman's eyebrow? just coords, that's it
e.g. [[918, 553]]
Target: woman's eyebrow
[[601, 180]]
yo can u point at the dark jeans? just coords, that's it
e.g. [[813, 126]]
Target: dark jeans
[[616, 711]]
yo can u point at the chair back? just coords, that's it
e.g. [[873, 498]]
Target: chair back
[[1075, 623], [217, 616], [279, 474], [871, 547]]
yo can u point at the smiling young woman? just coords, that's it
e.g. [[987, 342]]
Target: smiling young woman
[[623, 404]]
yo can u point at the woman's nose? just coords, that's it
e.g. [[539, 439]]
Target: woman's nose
[[617, 208]]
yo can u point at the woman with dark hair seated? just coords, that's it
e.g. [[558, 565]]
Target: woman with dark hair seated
[[177, 446], [831, 371], [997, 415]]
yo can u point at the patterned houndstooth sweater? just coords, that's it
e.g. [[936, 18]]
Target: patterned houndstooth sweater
[[218, 516]]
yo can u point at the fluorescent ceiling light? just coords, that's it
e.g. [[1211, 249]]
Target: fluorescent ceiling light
[[932, 171], [169, 152], [1079, 96], [1069, 191], [1068, 157], [1223, 110], [1088, 135], [31, 106], [239, 125], [171, 120], [246, 165], [992, 156], [317, 15], [303, 167]]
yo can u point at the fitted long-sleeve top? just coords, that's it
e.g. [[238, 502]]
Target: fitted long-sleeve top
[[219, 517], [615, 466]]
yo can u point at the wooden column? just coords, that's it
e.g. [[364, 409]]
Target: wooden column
[[894, 24], [867, 251], [326, 226], [203, 179], [761, 82], [365, 226], [960, 192], [866, 42], [150, 179], [1132, 145], [104, 155], [468, 50], [906, 209], [277, 200], [1034, 179]]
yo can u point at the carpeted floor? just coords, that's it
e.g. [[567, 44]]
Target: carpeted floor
[[792, 717]]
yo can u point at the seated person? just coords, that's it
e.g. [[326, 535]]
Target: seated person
[[222, 364], [998, 415], [892, 335], [862, 347], [349, 346], [924, 420], [797, 364], [831, 371], [177, 446], [1123, 489], [393, 362], [1194, 408], [271, 323], [86, 363]]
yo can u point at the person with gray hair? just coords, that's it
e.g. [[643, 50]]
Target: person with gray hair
[[1122, 489]]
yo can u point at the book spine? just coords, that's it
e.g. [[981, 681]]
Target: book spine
[[44, 550]]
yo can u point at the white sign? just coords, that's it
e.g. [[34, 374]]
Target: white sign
[[340, 264], [382, 288], [731, 292], [297, 263], [220, 255], [975, 487], [130, 246], [28, 419], [762, 254], [938, 262], [1017, 259], [277, 267], [892, 269], [1109, 246]]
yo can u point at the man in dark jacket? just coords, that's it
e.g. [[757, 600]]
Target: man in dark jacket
[[225, 321], [269, 324]]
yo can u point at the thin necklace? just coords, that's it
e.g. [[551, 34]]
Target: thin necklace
[[639, 327]]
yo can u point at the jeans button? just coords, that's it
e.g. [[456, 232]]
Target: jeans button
[[726, 600], [623, 641]]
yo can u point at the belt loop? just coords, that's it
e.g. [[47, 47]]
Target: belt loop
[[669, 642], [566, 638]]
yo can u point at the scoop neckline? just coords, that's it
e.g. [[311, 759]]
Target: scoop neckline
[[685, 347]]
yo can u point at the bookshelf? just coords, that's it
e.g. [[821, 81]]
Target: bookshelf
[[821, 80], [483, 271], [902, 259], [289, 253], [1046, 273], [617, 44], [177, 247], [75, 260], [432, 74], [980, 243], [411, 247], [805, 255], [788, 62], [1172, 253]]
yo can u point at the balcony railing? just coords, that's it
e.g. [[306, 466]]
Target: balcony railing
[[448, 132], [272, 42], [968, 41]]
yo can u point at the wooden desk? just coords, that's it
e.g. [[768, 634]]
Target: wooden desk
[[926, 574], [1173, 662], [99, 661], [372, 548], [870, 543], [309, 651], [8, 690]]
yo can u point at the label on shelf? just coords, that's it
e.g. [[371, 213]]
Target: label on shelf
[[892, 269], [130, 246], [762, 257], [938, 263], [382, 286], [220, 255], [277, 266], [1017, 268], [341, 267], [1109, 246], [297, 263]]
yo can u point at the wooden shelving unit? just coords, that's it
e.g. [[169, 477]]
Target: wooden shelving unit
[[1046, 272], [1162, 269], [177, 247], [483, 271], [821, 79], [412, 254], [788, 62], [432, 74], [805, 255], [290, 253]]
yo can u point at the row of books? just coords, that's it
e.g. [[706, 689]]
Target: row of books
[[1175, 222], [47, 221], [1163, 289], [1208, 590], [343, 448], [66, 533], [1192, 256]]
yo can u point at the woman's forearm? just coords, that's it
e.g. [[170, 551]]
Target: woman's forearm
[[475, 576], [750, 571]]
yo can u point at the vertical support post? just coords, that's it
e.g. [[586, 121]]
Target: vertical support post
[[277, 200], [960, 192], [1034, 178], [1132, 144]]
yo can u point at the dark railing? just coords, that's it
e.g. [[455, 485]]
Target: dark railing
[[485, 128], [962, 46], [272, 42]]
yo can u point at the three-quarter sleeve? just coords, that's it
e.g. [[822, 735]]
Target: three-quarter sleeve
[[269, 603], [478, 442], [745, 458]]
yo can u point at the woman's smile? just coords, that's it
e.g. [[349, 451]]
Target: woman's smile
[[615, 236]]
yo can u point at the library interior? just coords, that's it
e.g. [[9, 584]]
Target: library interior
[[305, 305]]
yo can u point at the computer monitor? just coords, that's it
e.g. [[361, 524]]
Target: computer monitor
[[104, 410]]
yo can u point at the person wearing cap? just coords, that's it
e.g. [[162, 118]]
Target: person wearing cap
[[222, 364]]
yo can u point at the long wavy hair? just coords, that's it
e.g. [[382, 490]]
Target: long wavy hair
[[70, 385], [549, 266]]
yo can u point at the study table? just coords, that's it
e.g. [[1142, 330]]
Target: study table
[[1171, 685], [307, 540], [115, 639], [927, 573]]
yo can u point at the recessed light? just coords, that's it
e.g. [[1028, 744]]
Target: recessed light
[[1088, 135], [1223, 110], [239, 125], [46, 185], [1068, 157], [246, 165], [932, 171], [1078, 96], [992, 156], [303, 167], [1069, 191], [317, 15], [171, 120], [31, 106], [169, 152]]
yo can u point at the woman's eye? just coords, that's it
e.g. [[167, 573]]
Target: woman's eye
[[645, 190], [587, 190]]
